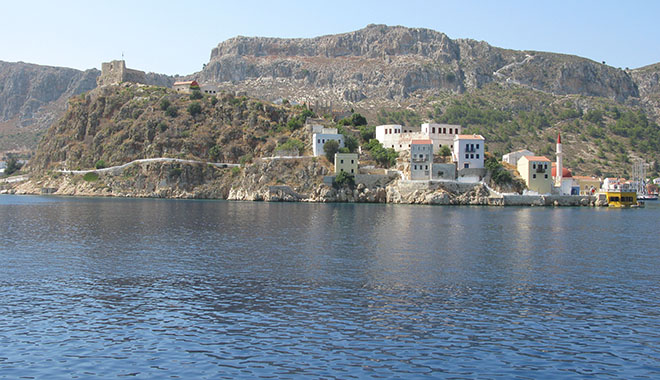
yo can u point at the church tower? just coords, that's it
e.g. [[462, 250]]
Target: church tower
[[560, 166]]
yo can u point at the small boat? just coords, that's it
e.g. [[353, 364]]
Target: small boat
[[647, 197]]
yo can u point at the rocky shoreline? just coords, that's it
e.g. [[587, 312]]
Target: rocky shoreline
[[274, 181]]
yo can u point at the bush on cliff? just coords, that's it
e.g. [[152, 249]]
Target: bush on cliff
[[330, 148], [344, 179], [384, 157]]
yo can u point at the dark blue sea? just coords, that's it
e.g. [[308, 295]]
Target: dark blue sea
[[151, 289]]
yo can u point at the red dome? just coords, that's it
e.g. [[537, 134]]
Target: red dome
[[565, 173]]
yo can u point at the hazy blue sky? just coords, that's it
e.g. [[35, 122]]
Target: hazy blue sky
[[177, 37]]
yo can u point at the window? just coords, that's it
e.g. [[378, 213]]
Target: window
[[450, 131], [444, 130], [472, 155], [352, 171], [415, 167], [533, 175], [341, 161], [426, 167], [352, 161], [546, 176], [318, 141], [341, 169], [533, 166], [433, 130], [467, 155], [477, 155], [466, 165], [477, 146]]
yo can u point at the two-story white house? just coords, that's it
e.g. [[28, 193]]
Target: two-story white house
[[421, 159], [320, 138], [468, 151]]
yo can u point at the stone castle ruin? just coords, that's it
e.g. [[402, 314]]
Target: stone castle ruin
[[115, 72]]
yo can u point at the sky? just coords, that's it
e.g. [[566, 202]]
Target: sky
[[176, 37]]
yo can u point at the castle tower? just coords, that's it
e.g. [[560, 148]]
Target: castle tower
[[560, 166]]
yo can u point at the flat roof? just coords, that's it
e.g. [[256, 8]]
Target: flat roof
[[427, 141], [470, 137]]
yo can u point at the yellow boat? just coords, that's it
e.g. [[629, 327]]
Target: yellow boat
[[619, 194]]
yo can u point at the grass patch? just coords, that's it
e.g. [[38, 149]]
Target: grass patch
[[91, 177]]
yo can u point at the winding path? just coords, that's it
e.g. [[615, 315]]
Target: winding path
[[119, 168]]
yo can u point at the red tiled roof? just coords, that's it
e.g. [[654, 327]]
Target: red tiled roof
[[536, 158]]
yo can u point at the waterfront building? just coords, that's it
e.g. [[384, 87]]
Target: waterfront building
[[513, 157], [535, 170], [468, 151], [318, 139], [421, 159], [346, 162], [587, 185]]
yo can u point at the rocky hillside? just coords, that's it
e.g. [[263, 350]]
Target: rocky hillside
[[122, 123], [392, 64], [32, 97]]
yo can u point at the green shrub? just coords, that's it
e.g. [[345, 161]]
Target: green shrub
[[196, 94], [175, 173], [292, 144], [214, 100], [215, 152], [165, 104], [12, 166], [91, 177], [194, 108], [330, 148], [350, 143], [100, 164], [235, 170], [343, 179], [172, 111], [384, 157], [246, 159]]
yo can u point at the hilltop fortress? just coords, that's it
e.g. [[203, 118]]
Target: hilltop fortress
[[115, 72]]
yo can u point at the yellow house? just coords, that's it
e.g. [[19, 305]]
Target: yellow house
[[535, 170], [346, 162], [588, 185]]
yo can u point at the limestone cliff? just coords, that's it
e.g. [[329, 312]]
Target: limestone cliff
[[384, 63]]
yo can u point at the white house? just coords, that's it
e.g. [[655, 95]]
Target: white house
[[469, 151], [441, 134], [513, 157], [318, 139], [421, 159]]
